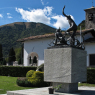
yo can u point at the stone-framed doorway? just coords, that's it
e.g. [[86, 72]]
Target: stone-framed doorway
[[32, 59]]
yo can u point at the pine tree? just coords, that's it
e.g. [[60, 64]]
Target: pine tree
[[11, 55], [20, 61], [4, 62], [1, 55]]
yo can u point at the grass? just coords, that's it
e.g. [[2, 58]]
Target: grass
[[86, 84], [9, 84]]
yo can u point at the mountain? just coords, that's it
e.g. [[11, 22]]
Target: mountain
[[82, 24], [10, 33]]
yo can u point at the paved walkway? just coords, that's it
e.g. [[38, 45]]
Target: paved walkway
[[83, 90]]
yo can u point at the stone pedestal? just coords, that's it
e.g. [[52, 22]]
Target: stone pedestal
[[65, 65], [66, 87]]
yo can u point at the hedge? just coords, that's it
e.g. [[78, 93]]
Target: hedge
[[15, 71], [91, 75]]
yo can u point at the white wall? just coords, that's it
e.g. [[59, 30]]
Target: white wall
[[90, 48], [37, 46]]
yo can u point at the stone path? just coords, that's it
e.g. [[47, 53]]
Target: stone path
[[83, 90]]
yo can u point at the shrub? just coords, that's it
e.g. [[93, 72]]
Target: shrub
[[22, 81], [29, 73], [40, 68], [37, 79]]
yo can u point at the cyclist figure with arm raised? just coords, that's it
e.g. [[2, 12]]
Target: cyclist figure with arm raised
[[73, 26]]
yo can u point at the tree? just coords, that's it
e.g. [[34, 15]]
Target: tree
[[20, 61], [1, 55], [82, 24], [4, 62], [11, 55], [18, 53]]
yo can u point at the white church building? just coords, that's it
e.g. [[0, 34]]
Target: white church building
[[34, 46]]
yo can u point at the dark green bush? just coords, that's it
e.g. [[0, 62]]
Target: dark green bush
[[22, 81], [91, 75], [30, 73], [15, 71]]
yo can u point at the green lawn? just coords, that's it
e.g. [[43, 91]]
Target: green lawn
[[86, 84], [9, 84]]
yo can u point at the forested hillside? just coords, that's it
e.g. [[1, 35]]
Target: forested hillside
[[10, 33]]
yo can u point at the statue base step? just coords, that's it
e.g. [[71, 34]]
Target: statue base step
[[66, 87]]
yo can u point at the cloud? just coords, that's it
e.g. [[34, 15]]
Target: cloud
[[60, 22], [44, 16], [44, 3], [1, 15], [36, 15], [9, 15]]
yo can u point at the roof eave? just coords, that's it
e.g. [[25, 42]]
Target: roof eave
[[50, 35]]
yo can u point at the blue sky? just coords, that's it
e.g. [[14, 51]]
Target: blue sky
[[45, 11]]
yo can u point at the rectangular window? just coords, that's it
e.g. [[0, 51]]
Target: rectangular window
[[92, 59]]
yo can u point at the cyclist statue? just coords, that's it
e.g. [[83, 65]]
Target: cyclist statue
[[58, 35], [73, 26], [59, 38]]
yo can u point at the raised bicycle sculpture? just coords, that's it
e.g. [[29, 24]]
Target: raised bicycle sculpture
[[60, 39]]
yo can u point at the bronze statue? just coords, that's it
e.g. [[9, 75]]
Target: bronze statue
[[73, 26], [61, 40], [59, 37]]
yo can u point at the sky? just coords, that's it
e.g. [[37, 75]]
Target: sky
[[48, 12]]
